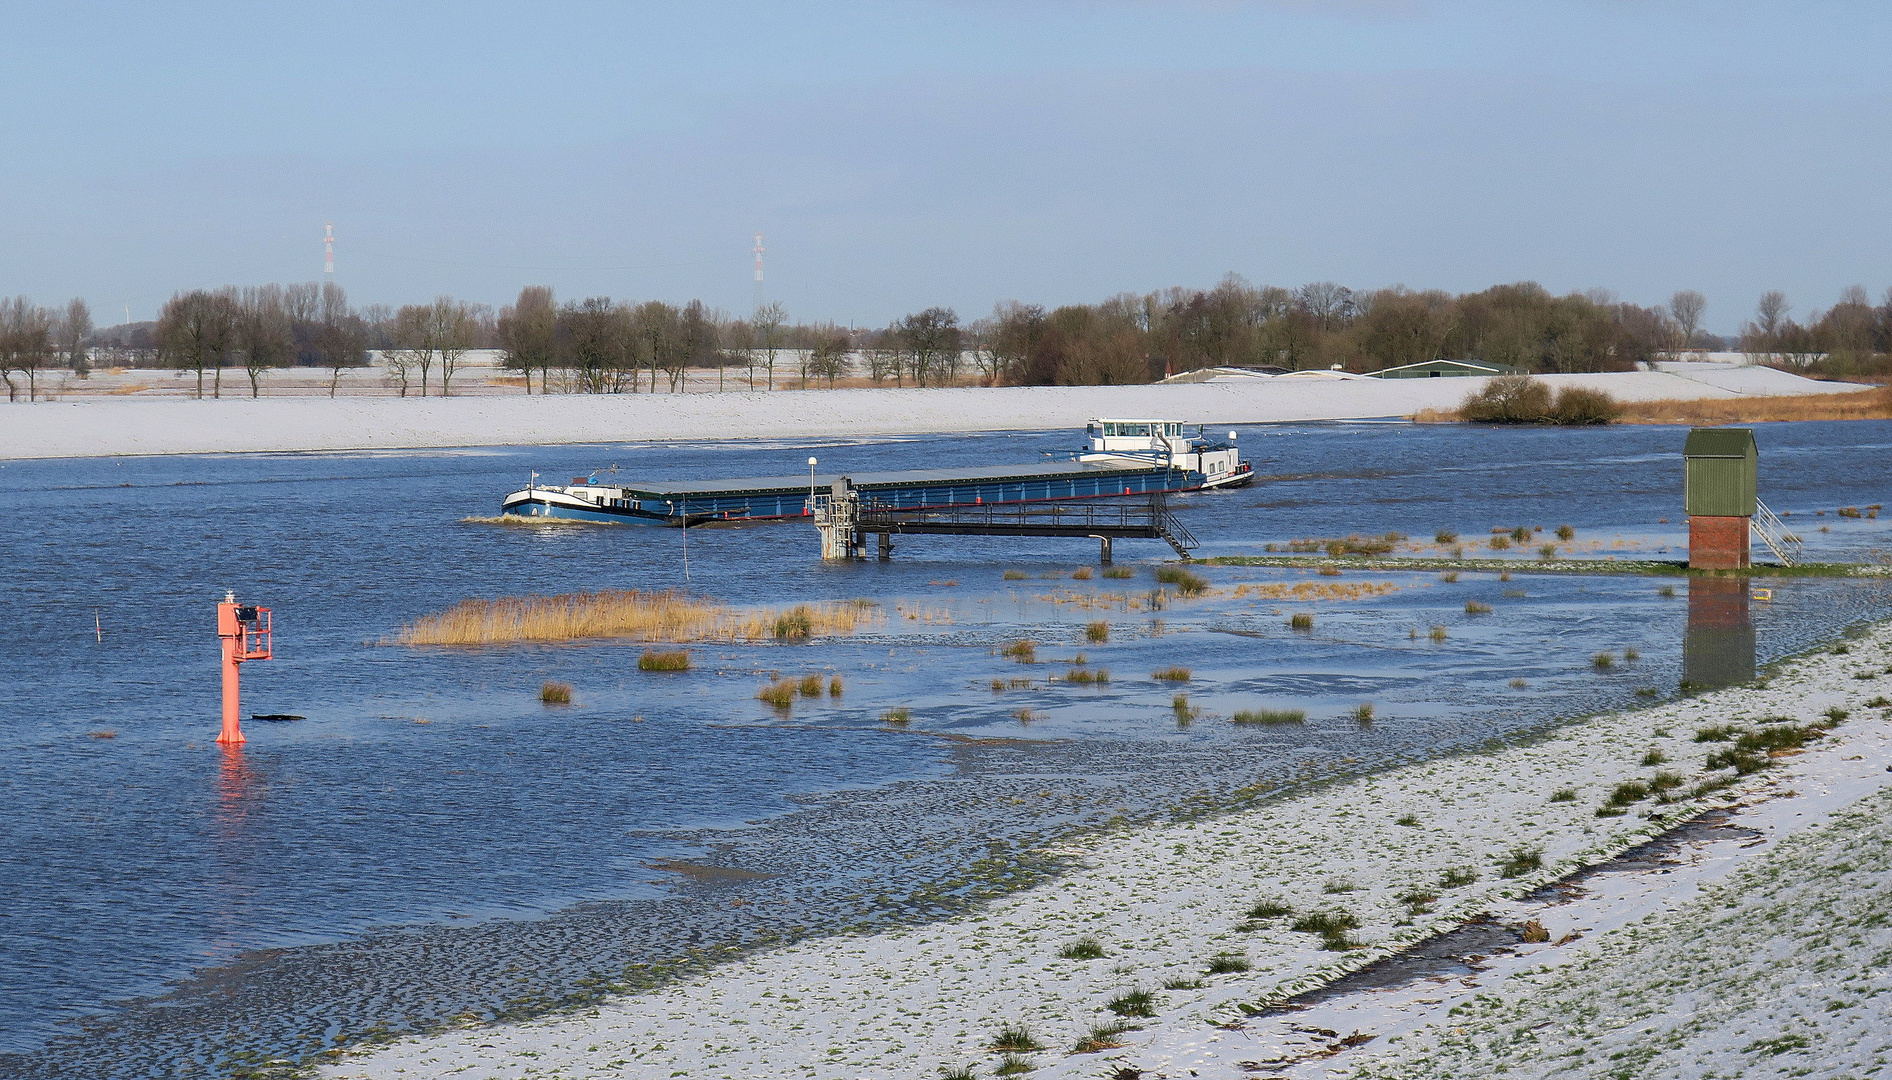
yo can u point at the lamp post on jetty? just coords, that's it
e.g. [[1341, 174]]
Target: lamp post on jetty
[[811, 485]]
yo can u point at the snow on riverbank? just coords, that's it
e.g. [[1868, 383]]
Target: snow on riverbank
[[104, 427], [1403, 853]]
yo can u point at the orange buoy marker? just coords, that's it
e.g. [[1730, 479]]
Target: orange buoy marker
[[244, 629]]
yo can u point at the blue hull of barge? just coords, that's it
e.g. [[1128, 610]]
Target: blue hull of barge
[[728, 501]]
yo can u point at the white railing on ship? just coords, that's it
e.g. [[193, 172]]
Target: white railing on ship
[[1774, 533]]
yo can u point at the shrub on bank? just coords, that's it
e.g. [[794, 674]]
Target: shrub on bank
[[1521, 399]]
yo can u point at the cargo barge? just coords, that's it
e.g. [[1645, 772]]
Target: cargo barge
[[1123, 458]]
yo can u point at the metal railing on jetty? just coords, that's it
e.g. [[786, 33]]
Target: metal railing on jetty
[[845, 518]]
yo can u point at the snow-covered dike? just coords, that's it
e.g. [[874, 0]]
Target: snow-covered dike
[[1178, 910], [103, 427]]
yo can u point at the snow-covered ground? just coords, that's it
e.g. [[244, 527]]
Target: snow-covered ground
[[1404, 854], [98, 427]]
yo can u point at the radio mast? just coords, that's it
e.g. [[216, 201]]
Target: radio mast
[[328, 249]]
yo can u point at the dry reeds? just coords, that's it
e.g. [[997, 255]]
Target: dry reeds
[[1015, 575], [834, 686], [1088, 676], [664, 660], [1097, 632], [1082, 573], [667, 615], [1025, 652], [1305, 591], [780, 693], [556, 693], [1477, 607], [1853, 405], [809, 686]]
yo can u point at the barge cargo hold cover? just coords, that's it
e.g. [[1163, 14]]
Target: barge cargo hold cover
[[1123, 457], [764, 498]]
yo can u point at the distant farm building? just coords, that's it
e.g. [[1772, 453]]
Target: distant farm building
[[1434, 369]]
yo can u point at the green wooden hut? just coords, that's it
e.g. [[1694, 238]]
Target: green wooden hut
[[1721, 468]]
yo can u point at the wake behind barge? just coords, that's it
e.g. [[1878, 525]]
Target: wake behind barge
[[1124, 458]]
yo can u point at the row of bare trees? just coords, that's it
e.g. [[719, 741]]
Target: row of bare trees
[[311, 324], [1853, 338], [1134, 338], [35, 339]]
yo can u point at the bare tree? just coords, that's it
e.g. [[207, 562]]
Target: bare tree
[[74, 324], [341, 338], [828, 359], [412, 337], [738, 338], [195, 330], [1771, 311], [453, 326], [25, 343], [932, 343], [768, 323], [1686, 307], [263, 332], [696, 344], [528, 332]]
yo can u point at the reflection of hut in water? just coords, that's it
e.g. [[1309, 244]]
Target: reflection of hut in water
[[1718, 648]]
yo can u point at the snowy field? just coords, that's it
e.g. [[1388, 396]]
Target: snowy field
[[104, 426], [1769, 950]]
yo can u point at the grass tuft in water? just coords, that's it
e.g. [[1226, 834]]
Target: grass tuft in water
[[780, 693], [1666, 590], [1186, 582], [809, 686], [1082, 573], [1269, 716], [1026, 716], [1015, 575], [1362, 713], [1444, 536], [1183, 711], [1602, 661], [1301, 620], [1097, 632], [556, 693], [1171, 674], [1023, 651], [664, 660], [897, 716], [1519, 684], [1566, 533], [1438, 634], [1118, 573], [835, 687]]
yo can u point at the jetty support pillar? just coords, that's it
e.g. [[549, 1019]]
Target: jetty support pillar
[[1103, 554], [837, 517]]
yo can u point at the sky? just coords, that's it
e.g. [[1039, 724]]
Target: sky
[[900, 155]]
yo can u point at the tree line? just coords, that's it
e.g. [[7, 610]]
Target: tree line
[[604, 345], [1851, 339]]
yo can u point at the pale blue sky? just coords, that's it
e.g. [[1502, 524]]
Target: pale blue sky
[[899, 155]]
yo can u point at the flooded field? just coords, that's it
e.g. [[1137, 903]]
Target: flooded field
[[433, 843]]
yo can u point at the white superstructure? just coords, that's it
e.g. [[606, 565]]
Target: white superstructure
[[1163, 442]]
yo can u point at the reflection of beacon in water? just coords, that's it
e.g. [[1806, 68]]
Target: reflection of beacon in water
[[1718, 648]]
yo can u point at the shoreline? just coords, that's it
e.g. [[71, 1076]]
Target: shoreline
[[115, 427], [1164, 901]]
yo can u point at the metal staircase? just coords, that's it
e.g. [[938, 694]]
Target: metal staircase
[[1773, 532]]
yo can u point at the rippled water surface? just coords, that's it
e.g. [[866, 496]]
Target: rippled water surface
[[432, 842]]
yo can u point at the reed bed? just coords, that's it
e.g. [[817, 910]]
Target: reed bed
[[1186, 582], [1315, 590], [668, 615], [1853, 405]]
